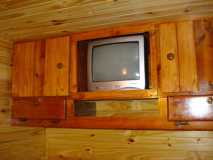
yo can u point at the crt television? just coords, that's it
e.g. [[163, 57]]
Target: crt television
[[117, 63]]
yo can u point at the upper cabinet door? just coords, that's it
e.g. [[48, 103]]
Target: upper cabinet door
[[27, 69], [56, 72], [169, 71], [204, 48], [178, 71]]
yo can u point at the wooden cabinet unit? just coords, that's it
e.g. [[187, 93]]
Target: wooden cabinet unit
[[50, 86], [41, 68]]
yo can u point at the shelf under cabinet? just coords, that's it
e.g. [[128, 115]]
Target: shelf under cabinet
[[115, 95]]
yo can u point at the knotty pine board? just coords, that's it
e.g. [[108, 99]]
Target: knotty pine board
[[30, 19], [88, 144], [5, 56]]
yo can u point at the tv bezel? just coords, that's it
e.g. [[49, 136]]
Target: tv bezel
[[117, 85]]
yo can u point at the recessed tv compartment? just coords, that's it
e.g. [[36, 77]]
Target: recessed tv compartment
[[117, 63]]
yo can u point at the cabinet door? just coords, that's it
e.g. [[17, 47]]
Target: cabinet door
[[178, 57], [56, 73], [204, 48], [169, 70], [27, 69], [190, 108]]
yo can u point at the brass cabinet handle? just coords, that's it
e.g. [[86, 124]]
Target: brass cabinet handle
[[60, 65], [170, 56], [210, 100]]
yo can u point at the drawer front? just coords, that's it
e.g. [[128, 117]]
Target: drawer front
[[50, 108], [191, 108]]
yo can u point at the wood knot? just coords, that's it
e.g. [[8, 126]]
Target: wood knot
[[92, 135], [131, 140]]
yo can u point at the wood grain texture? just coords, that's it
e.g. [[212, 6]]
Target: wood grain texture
[[28, 19], [204, 49], [169, 69], [27, 69], [148, 108], [187, 57], [128, 144], [22, 143], [56, 74], [5, 56], [39, 108]]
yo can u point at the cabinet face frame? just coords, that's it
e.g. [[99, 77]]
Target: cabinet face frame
[[113, 32]]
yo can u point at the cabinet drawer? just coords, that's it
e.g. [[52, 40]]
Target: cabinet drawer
[[39, 108], [191, 108]]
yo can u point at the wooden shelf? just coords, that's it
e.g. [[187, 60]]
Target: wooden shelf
[[115, 95]]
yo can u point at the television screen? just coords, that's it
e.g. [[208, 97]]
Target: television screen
[[116, 62]]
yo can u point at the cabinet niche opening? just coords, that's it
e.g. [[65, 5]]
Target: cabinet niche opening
[[114, 80]]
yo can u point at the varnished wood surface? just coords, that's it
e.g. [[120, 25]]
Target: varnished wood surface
[[191, 108], [104, 95], [28, 64], [30, 19], [56, 72], [169, 70], [39, 108], [204, 48], [187, 57]]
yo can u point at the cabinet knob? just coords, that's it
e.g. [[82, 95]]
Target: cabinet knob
[[170, 56], [210, 100], [60, 65]]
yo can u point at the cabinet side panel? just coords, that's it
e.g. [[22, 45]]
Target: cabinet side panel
[[169, 72]]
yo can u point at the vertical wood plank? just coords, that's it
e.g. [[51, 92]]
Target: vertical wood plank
[[187, 56], [39, 58], [56, 74], [24, 60], [73, 66], [204, 49], [169, 72]]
